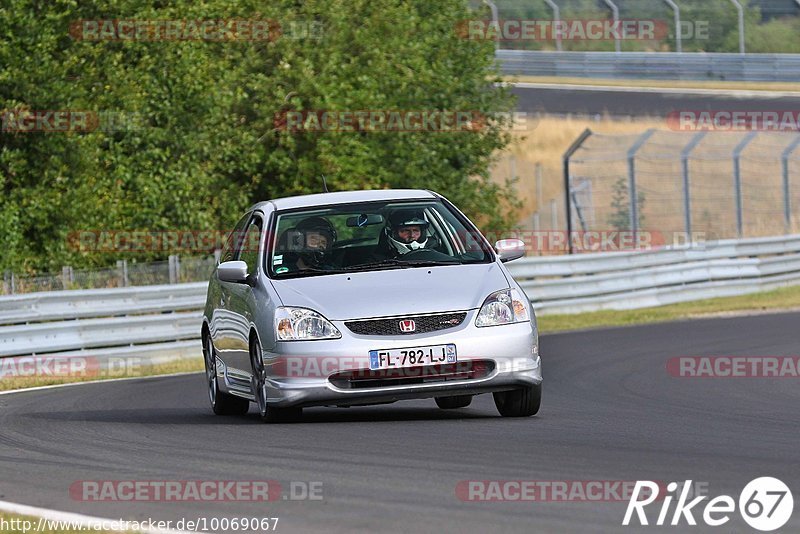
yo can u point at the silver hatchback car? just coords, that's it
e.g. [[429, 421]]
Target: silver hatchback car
[[366, 297]]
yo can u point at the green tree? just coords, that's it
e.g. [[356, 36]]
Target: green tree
[[206, 146]]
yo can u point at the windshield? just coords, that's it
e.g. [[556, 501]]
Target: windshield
[[372, 236]]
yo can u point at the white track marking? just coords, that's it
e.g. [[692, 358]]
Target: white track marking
[[69, 384]]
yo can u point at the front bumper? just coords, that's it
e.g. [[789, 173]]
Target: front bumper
[[299, 372]]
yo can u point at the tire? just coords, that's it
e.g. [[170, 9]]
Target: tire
[[221, 403], [452, 403], [523, 402], [259, 386]]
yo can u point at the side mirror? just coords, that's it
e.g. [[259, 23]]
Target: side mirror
[[233, 271], [510, 249]]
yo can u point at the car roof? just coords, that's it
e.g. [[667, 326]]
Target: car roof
[[346, 197]]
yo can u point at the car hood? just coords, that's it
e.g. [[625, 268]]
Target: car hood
[[342, 297]]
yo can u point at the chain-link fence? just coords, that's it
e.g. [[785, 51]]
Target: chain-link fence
[[712, 184], [173, 271]]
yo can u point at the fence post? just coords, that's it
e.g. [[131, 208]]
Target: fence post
[[740, 9], [787, 199], [66, 276], [217, 255], [539, 180], [7, 286], [737, 180], [496, 20], [173, 271], [678, 30], [556, 19], [615, 13], [122, 267], [567, 182], [634, 196], [687, 198]]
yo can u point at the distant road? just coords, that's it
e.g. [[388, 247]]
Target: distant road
[[643, 102]]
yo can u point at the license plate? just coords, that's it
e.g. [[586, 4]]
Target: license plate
[[413, 357]]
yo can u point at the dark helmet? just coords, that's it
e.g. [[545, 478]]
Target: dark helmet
[[407, 217], [322, 226], [318, 224]]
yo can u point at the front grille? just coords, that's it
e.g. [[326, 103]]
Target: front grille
[[410, 376], [391, 327]]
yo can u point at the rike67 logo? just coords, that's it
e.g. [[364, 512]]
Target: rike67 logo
[[765, 504]]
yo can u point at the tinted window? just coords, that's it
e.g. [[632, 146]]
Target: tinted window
[[234, 240], [248, 251]]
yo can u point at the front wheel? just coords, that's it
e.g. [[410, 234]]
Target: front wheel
[[259, 385], [221, 403], [522, 402]]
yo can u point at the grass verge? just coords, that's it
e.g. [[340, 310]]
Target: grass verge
[[660, 84], [177, 366], [783, 299]]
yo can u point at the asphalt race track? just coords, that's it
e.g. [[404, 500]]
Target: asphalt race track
[[610, 412], [633, 103]]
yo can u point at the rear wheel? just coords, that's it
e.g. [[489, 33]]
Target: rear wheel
[[452, 403], [259, 385], [523, 402], [221, 403]]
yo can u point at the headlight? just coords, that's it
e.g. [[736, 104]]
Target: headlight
[[503, 307], [301, 324]]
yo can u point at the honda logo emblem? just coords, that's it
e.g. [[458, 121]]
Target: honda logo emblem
[[408, 326]]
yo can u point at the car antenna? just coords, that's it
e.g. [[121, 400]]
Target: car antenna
[[324, 184]]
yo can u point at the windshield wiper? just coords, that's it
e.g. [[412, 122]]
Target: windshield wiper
[[308, 271], [392, 262]]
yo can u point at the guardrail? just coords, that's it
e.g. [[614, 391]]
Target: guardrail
[[630, 280], [160, 323], [652, 65]]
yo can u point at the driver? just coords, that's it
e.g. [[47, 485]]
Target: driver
[[311, 241], [407, 230]]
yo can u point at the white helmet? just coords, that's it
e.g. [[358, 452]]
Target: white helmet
[[407, 217]]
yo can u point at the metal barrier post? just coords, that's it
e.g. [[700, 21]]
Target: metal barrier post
[[787, 199], [737, 179], [567, 186], [634, 197], [687, 199]]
